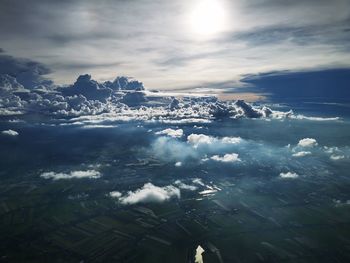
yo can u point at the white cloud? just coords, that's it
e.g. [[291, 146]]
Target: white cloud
[[307, 142], [10, 133], [178, 164], [301, 154], [150, 193], [184, 186], [115, 194], [172, 133], [198, 181], [92, 174], [337, 157], [198, 139], [227, 158], [289, 175]]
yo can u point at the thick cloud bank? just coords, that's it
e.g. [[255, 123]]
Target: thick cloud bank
[[25, 90]]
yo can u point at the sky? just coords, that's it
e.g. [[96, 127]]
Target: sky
[[178, 44]]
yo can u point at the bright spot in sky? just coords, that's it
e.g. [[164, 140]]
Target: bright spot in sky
[[208, 17]]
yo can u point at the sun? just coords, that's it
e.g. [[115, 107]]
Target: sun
[[208, 17]]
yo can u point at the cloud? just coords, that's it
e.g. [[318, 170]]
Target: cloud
[[337, 157], [171, 132], [300, 85], [115, 194], [10, 133], [307, 142], [227, 158], [301, 154], [198, 181], [184, 186], [150, 193], [197, 140], [91, 174], [89, 88], [289, 175], [27, 72], [123, 99], [258, 31], [178, 164]]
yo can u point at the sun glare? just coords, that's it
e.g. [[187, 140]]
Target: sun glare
[[208, 17]]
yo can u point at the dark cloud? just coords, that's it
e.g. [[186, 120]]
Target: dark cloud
[[15, 66], [27, 72], [1, 50], [328, 85], [87, 87], [84, 65]]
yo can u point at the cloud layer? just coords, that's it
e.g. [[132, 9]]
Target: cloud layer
[[295, 35]]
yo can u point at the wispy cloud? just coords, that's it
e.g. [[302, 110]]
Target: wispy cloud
[[260, 36]]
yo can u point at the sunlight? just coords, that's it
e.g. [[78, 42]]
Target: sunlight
[[208, 17]]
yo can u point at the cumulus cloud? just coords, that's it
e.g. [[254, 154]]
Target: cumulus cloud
[[10, 133], [150, 193], [227, 158], [301, 154], [178, 164], [184, 186], [307, 142], [23, 89], [171, 132], [289, 175], [197, 139], [92, 174], [197, 147], [89, 88], [202, 139], [27, 72], [115, 194]]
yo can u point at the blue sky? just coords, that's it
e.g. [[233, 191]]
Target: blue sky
[[179, 44]]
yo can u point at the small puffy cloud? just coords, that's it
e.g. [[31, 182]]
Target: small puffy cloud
[[178, 164], [115, 194], [301, 154], [307, 142], [184, 186], [335, 157], [199, 139], [150, 193], [92, 174], [10, 133], [227, 158], [171, 132], [289, 175]]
